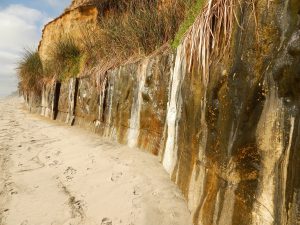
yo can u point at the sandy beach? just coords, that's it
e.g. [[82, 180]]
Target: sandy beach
[[52, 174]]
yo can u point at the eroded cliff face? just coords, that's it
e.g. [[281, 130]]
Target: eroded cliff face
[[72, 23], [76, 3], [236, 135], [229, 140]]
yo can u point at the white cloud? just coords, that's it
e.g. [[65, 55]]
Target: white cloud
[[20, 28]]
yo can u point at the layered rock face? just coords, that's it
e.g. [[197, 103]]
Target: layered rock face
[[228, 138]]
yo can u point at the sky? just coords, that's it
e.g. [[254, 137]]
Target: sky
[[21, 24]]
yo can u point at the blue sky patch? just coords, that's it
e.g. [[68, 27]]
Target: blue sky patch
[[21, 24]]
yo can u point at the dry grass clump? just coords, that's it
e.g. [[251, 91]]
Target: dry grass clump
[[210, 35], [134, 27], [65, 62], [30, 72], [65, 59], [138, 27]]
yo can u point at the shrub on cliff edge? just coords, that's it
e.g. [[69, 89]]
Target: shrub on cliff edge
[[30, 72], [134, 27], [65, 59]]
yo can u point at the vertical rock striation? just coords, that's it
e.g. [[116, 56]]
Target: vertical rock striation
[[227, 132]]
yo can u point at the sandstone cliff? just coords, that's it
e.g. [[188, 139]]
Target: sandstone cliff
[[226, 128], [72, 23], [77, 3]]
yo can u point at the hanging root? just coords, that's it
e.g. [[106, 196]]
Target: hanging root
[[210, 35]]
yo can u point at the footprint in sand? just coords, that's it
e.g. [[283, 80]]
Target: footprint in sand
[[57, 153], [106, 221], [4, 211], [136, 190], [54, 163], [25, 222], [115, 158], [92, 158], [69, 172], [116, 176], [13, 192]]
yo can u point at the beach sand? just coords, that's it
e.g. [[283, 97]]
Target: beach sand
[[52, 174]]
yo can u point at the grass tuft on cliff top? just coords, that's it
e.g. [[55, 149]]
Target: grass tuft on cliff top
[[65, 59], [30, 72], [134, 28]]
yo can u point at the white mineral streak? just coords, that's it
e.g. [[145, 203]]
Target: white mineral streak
[[44, 102], [45, 110], [51, 113], [102, 98], [217, 209], [134, 130], [196, 187], [109, 128], [228, 206], [70, 101], [270, 142], [232, 138], [173, 113], [284, 165], [203, 130]]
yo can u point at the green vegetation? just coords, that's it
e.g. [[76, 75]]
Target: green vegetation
[[190, 18], [65, 59], [30, 72], [126, 28], [136, 27], [65, 62]]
